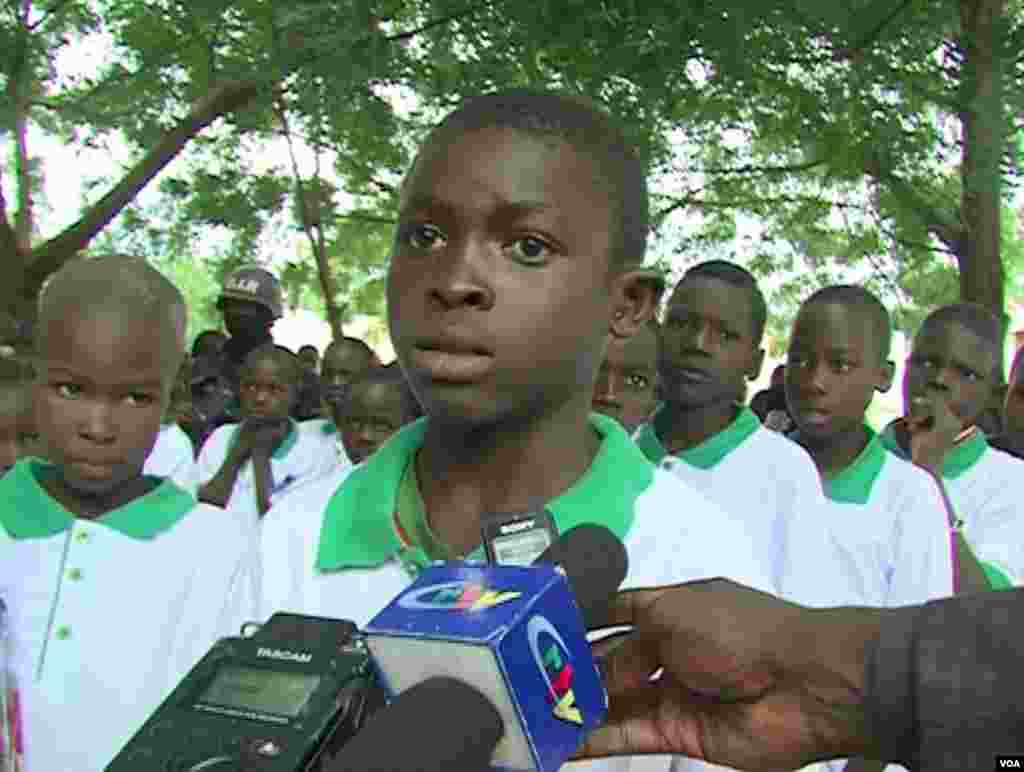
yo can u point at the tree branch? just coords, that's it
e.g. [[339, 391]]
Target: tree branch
[[753, 169], [463, 14], [220, 101]]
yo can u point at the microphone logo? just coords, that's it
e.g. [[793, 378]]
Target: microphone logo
[[456, 596], [552, 658]]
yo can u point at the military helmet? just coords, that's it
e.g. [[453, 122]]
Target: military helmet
[[255, 285]]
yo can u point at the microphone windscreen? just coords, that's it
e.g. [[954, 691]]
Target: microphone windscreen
[[595, 565], [439, 725]]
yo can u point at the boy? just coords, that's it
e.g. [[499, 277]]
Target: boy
[[710, 345], [108, 575], [627, 383], [344, 360], [378, 405], [508, 273], [174, 455], [243, 467], [1012, 439], [949, 377], [18, 436]]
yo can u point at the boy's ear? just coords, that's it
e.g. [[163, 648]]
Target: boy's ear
[[755, 365], [635, 297], [886, 374]]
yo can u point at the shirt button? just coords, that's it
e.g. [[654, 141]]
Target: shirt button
[[63, 633], [75, 574], [82, 537]]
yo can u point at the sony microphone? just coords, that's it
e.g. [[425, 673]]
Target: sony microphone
[[438, 725]]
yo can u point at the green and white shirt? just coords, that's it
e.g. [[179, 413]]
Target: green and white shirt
[[771, 486], [337, 549], [299, 460], [986, 489], [107, 615]]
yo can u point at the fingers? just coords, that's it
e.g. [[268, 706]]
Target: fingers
[[630, 665], [632, 728], [627, 606]]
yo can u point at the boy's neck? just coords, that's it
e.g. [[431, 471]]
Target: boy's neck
[[92, 507], [682, 427], [499, 469], [836, 454]]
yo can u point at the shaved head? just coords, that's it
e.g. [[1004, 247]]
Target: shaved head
[[128, 288]]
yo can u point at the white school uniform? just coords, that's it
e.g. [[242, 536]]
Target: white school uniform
[[986, 489], [333, 548], [300, 459], [108, 615], [327, 434], [173, 457], [770, 485]]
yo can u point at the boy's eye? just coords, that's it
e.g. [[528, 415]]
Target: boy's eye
[[529, 250], [422, 236], [68, 390], [637, 381], [140, 399], [842, 366]]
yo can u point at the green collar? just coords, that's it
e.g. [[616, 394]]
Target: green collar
[[853, 485], [328, 427], [707, 454], [30, 512], [359, 529], [960, 459], [281, 450]]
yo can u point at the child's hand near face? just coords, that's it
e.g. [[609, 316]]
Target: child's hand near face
[[933, 430]]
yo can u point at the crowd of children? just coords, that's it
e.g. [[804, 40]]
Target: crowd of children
[[157, 501]]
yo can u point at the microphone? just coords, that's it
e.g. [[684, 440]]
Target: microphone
[[438, 725], [516, 635], [595, 565]]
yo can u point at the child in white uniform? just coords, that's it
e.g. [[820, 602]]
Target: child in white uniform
[[889, 517], [174, 457], [116, 583], [245, 467], [519, 225], [708, 347]]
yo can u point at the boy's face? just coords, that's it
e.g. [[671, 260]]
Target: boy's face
[[18, 436], [950, 362], [707, 349], [342, 364], [833, 370], [627, 380], [100, 397], [374, 412], [1013, 406], [499, 285], [265, 392]]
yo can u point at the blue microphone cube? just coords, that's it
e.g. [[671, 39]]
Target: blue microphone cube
[[513, 633]]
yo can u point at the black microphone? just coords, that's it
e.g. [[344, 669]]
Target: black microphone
[[595, 565], [438, 725]]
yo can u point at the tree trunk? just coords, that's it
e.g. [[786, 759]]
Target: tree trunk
[[23, 282], [984, 142]]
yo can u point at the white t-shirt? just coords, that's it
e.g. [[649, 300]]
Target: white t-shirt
[[332, 549], [108, 615], [771, 486], [173, 457], [299, 460], [986, 489], [326, 433]]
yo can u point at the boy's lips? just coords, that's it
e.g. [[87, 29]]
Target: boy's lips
[[452, 358]]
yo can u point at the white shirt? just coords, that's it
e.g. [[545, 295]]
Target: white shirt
[[300, 459], [173, 457], [108, 615], [675, 535]]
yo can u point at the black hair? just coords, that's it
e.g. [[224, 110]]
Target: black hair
[[353, 343], [585, 127], [197, 344], [856, 298], [391, 375], [286, 361], [308, 347], [977, 319], [735, 276], [119, 284]]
